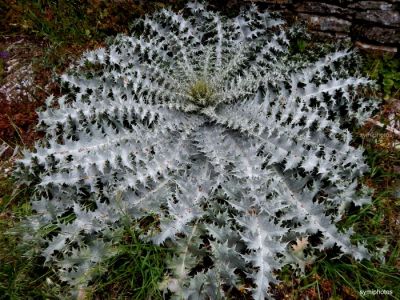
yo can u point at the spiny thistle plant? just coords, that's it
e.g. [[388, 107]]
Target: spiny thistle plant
[[204, 124]]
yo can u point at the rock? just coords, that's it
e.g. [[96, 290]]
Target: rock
[[368, 5], [377, 34], [336, 2], [272, 1], [375, 22], [375, 49], [322, 23], [388, 18], [321, 8], [323, 35]]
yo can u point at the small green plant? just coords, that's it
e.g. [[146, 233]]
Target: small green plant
[[299, 45], [386, 71], [22, 274], [135, 272], [57, 21], [300, 39]]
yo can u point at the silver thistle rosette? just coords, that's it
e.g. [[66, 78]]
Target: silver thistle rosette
[[203, 122]]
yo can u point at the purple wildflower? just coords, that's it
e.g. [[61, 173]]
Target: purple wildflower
[[4, 54]]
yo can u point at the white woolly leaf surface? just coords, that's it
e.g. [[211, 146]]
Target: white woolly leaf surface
[[204, 121]]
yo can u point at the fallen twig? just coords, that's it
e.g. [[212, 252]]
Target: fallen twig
[[388, 128]]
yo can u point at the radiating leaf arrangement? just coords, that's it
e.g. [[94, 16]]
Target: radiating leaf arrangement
[[202, 122]]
